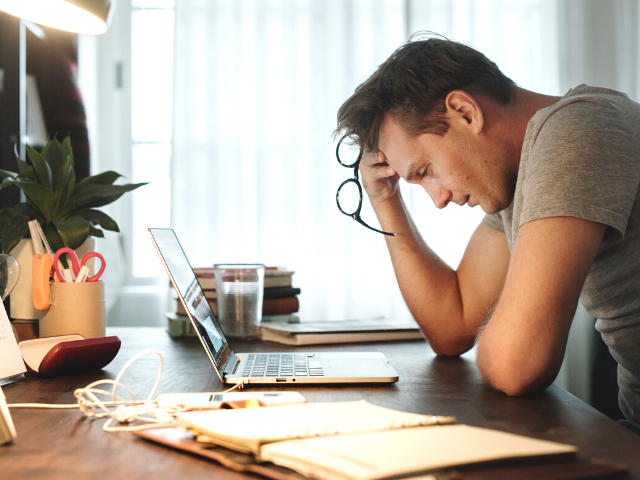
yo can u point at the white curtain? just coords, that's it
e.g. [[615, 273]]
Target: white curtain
[[254, 178], [257, 87]]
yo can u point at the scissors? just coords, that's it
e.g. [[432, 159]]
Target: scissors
[[77, 265], [42, 264]]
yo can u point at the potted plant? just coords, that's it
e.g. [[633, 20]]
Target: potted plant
[[67, 210]]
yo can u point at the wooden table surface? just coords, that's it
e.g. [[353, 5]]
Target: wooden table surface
[[65, 444]]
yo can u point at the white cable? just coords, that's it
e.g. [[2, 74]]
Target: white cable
[[119, 408]]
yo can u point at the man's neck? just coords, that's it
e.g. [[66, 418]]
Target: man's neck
[[524, 107]]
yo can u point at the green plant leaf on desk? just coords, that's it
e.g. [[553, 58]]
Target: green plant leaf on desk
[[96, 232], [7, 174], [56, 154], [26, 171], [73, 231], [93, 196], [66, 209], [100, 218], [40, 196], [104, 178], [64, 183], [14, 230], [42, 169]]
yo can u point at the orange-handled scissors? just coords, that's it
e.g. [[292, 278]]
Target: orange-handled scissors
[[40, 283], [77, 265]]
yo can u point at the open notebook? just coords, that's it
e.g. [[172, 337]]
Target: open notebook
[[361, 441]]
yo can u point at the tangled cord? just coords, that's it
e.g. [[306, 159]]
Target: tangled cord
[[120, 409]]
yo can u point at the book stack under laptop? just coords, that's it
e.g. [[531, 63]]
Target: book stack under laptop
[[280, 303]]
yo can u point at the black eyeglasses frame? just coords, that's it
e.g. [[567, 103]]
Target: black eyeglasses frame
[[355, 165]]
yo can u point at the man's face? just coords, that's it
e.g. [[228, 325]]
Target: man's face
[[458, 167]]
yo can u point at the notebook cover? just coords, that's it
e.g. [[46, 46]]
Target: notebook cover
[[554, 469], [181, 439]]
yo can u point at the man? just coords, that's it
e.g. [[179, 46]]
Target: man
[[558, 179]]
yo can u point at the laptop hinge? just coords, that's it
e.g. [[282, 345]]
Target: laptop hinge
[[231, 365]]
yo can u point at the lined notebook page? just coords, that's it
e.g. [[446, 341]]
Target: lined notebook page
[[389, 453], [247, 429]]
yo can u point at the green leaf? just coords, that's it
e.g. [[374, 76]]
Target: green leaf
[[56, 155], [25, 171], [96, 232], [66, 181], [6, 214], [42, 168], [53, 237], [66, 147], [14, 231], [28, 210], [100, 218], [41, 196], [45, 149], [73, 231], [105, 178], [95, 196], [7, 174]]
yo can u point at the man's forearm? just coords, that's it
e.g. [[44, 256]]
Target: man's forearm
[[429, 286]]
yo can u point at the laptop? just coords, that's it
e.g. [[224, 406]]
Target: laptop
[[283, 368]]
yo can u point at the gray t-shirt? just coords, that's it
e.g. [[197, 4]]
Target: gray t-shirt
[[581, 158]]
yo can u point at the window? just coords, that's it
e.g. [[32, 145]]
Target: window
[[151, 112], [248, 56]]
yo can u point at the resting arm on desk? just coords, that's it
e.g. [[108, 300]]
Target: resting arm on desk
[[522, 347]]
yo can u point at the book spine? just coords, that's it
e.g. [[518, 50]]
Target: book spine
[[280, 292], [270, 306], [280, 306], [287, 318]]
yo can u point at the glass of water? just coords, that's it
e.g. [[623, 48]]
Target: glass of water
[[239, 290]]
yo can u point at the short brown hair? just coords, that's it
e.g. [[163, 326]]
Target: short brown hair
[[412, 85]]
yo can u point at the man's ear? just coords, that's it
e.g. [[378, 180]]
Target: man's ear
[[463, 107]]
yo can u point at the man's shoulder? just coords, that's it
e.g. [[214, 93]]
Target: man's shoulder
[[586, 109]]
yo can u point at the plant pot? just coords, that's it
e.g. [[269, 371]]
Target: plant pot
[[22, 309], [22, 297], [76, 308]]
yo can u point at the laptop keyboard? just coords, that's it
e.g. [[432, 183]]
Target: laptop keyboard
[[282, 365]]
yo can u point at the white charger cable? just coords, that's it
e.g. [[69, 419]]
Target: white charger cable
[[119, 408]]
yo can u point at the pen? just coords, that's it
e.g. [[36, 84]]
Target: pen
[[82, 274], [5, 420], [67, 275]]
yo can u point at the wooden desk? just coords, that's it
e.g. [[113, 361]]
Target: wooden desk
[[64, 444]]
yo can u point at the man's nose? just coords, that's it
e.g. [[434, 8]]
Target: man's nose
[[440, 196]]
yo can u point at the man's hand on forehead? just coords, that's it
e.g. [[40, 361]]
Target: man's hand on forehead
[[379, 179]]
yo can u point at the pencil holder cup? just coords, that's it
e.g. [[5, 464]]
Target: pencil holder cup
[[75, 308]]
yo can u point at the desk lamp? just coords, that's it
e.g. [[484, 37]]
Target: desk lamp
[[78, 16]]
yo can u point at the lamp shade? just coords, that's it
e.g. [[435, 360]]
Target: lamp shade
[[78, 16]]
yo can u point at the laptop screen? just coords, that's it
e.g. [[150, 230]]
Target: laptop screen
[[186, 284]]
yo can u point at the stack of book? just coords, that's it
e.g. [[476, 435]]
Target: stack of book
[[280, 303]]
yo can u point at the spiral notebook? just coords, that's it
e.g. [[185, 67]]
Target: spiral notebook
[[361, 441]]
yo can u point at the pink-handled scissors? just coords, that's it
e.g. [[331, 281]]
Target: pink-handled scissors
[[75, 265]]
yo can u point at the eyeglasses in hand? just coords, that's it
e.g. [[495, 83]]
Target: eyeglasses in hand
[[351, 159]]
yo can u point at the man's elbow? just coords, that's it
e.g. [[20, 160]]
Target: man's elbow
[[451, 346], [513, 378], [516, 386]]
